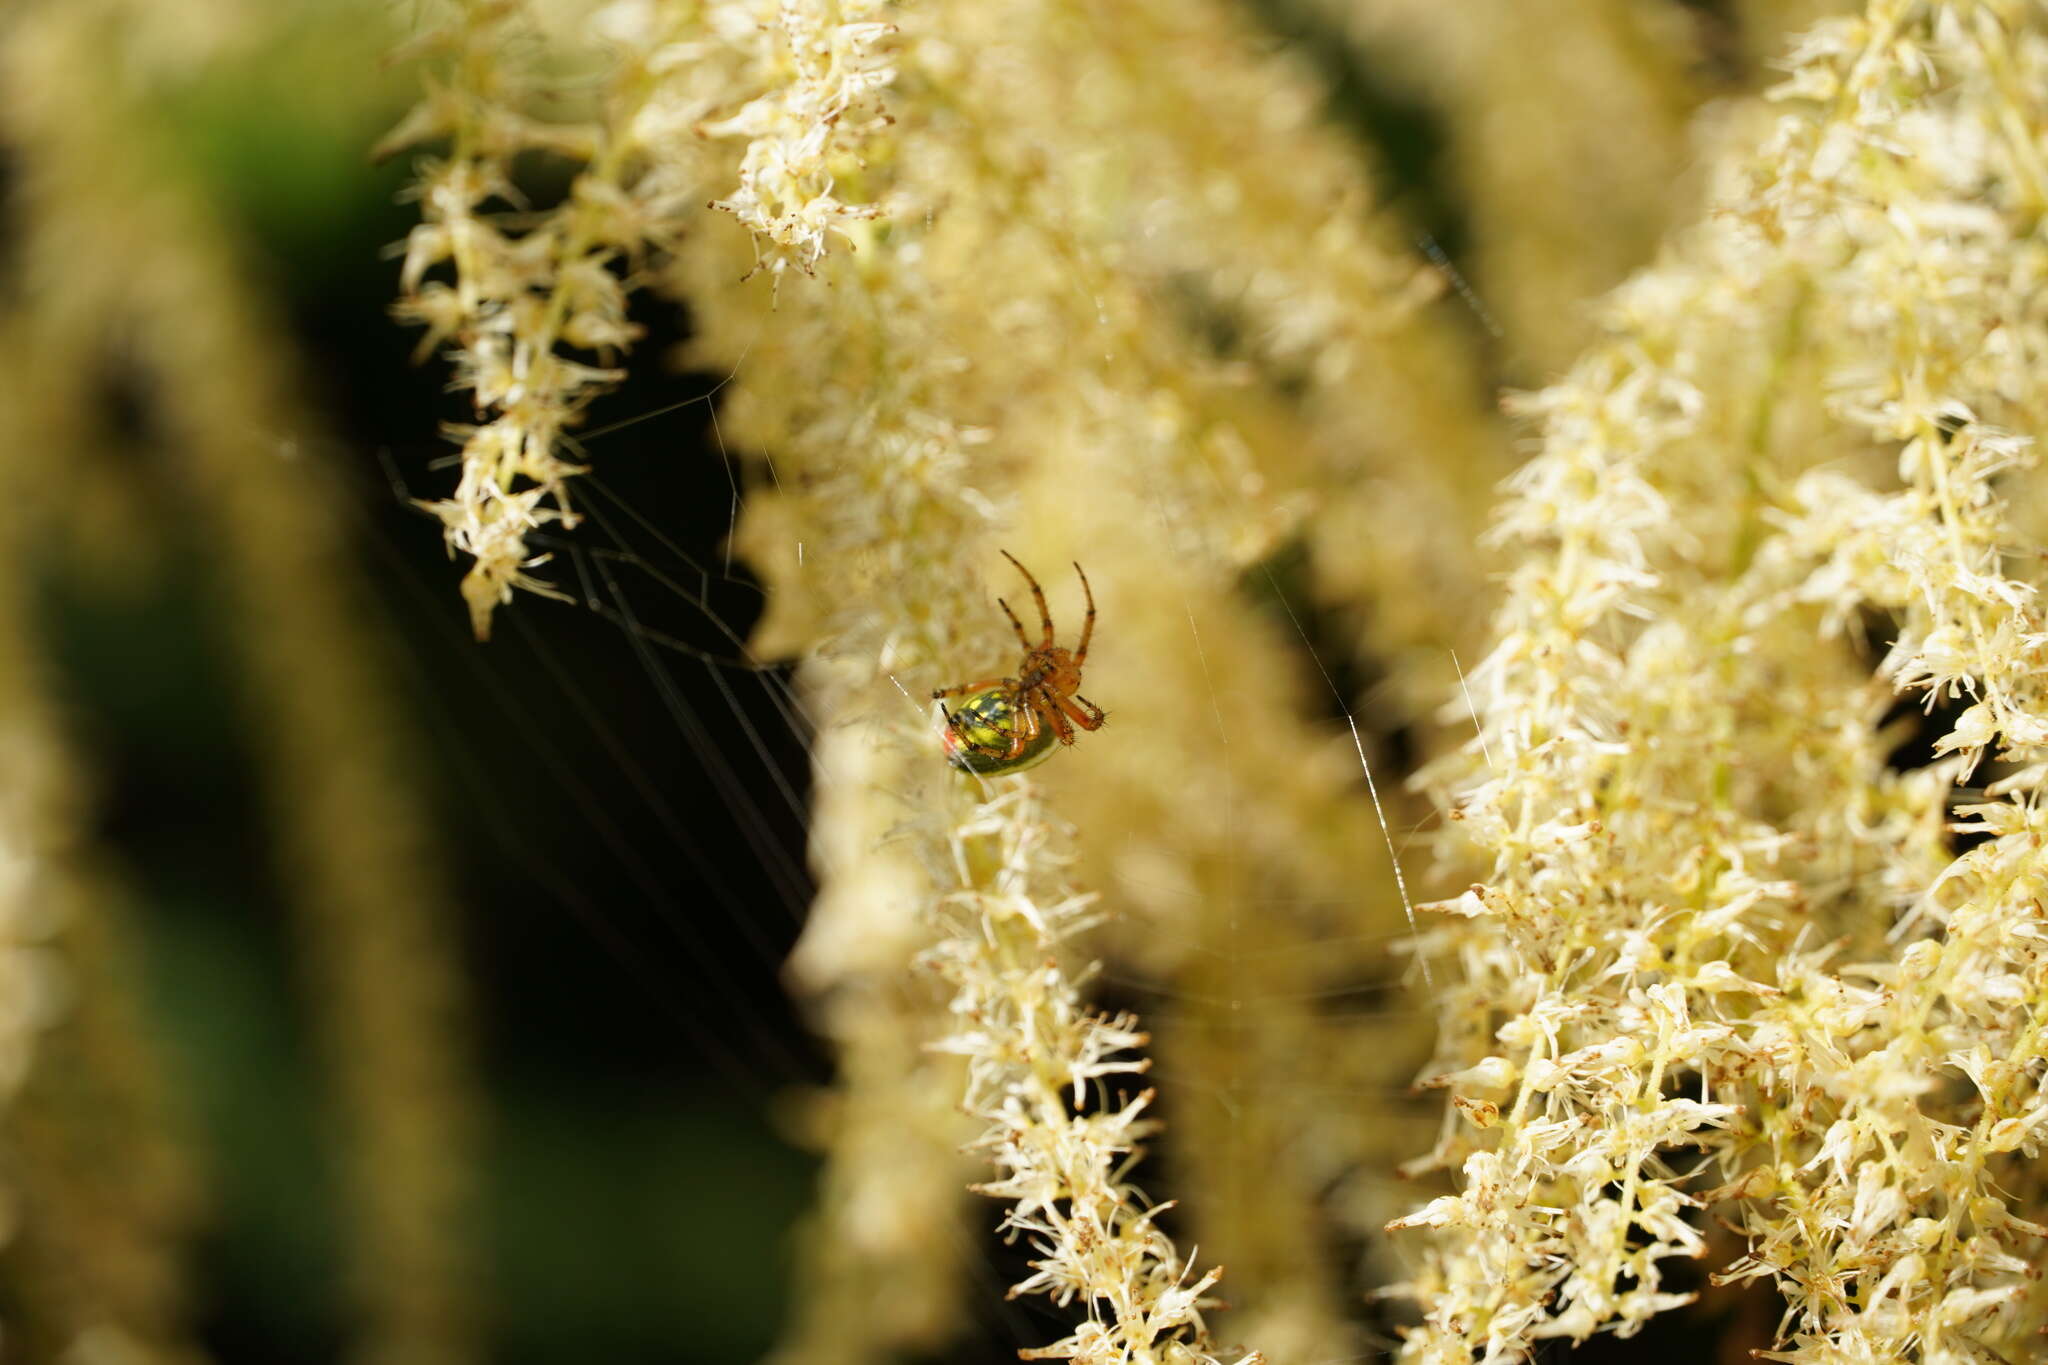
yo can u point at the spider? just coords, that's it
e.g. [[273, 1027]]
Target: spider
[[1006, 725]]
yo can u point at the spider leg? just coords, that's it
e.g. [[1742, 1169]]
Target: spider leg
[[1089, 719], [1027, 730], [1053, 713], [1016, 625], [984, 685], [1038, 596], [1087, 626]]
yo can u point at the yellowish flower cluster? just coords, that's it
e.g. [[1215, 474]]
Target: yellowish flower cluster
[[1568, 168], [891, 440], [806, 131], [514, 301], [1716, 917], [536, 305], [931, 386], [1035, 1055]]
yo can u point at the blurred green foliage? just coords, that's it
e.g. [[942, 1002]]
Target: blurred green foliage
[[636, 1208]]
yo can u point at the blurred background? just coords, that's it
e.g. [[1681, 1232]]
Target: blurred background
[[618, 916], [615, 827]]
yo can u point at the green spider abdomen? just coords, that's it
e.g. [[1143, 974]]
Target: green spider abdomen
[[984, 726]]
